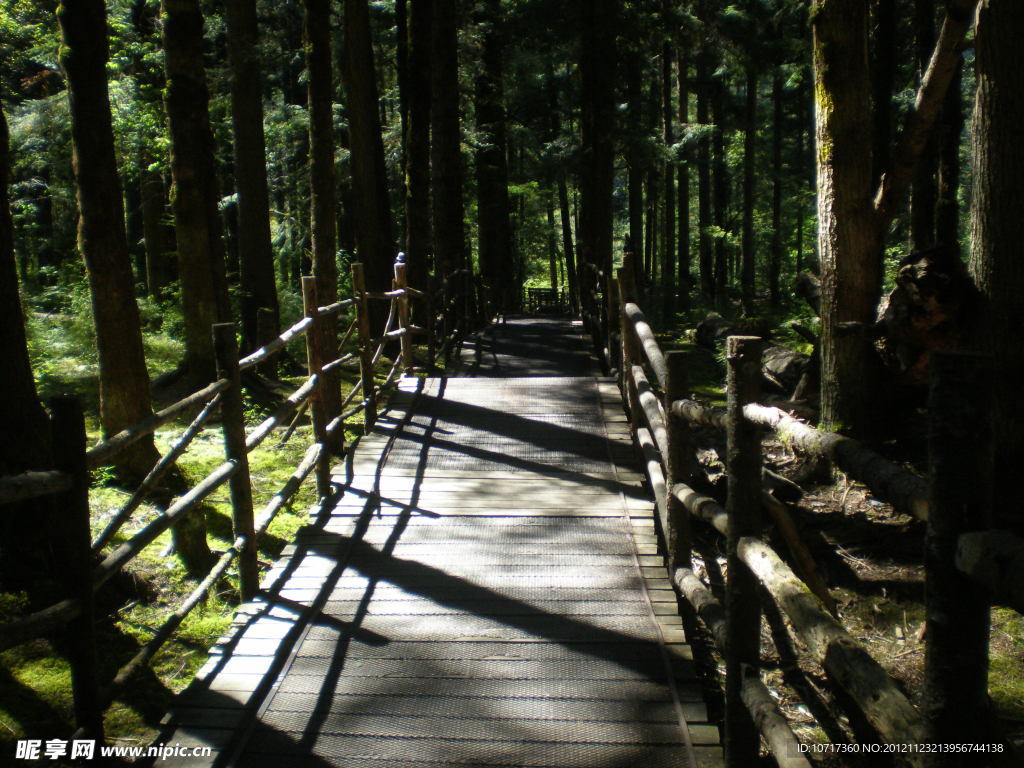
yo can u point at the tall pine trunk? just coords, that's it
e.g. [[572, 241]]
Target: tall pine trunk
[[778, 114], [747, 263], [668, 259], [997, 231], [204, 292], [417, 143], [374, 237], [950, 128], [848, 236], [707, 274], [446, 156], [256, 257], [597, 74], [923, 190], [124, 380], [495, 248], [720, 191], [320, 93], [683, 262]]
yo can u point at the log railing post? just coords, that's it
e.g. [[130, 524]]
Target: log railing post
[[401, 284], [742, 603], [365, 346], [74, 550], [678, 463], [314, 362], [957, 613], [631, 354], [233, 424], [613, 309]]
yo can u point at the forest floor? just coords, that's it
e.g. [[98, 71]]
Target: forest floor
[[870, 557]]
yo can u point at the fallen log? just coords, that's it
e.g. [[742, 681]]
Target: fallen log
[[876, 694], [886, 480], [994, 559]]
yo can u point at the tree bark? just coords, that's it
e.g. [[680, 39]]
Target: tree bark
[[124, 380], [23, 526], [668, 257], [374, 238], [320, 93], [777, 250], [720, 192], [256, 256], [748, 263], [923, 192], [495, 246], [849, 240], [204, 293], [947, 207], [707, 275], [997, 230], [446, 154], [417, 160], [597, 74], [683, 261], [883, 76], [159, 261]]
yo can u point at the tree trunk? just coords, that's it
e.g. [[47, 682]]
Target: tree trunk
[[446, 155], [635, 173], [204, 293], [124, 380], [495, 251], [749, 189], [720, 192], [707, 275], [597, 74], [567, 243], [159, 262], [256, 256], [23, 527], [320, 92], [947, 207], [883, 75], [683, 262], [402, 67], [923, 192], [997, 230], [374, 238], [777, 251], [668, 254], [417, 160], [847, 233]]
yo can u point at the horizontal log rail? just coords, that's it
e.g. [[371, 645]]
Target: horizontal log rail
[[661, 418], [104, 454], [889, 482], [30, 485]]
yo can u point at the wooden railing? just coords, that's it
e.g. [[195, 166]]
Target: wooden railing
[[953, 500], [86, 569]]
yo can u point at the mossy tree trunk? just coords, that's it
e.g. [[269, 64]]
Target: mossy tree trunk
[[204, 293], [997, 230], [124, 380], [256, 256]]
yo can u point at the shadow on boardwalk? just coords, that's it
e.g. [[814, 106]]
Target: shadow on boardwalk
[[485, 590]]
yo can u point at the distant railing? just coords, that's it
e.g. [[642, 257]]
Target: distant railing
[[70, 479], [952, 499]]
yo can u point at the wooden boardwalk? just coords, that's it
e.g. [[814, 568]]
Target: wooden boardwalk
[[487, 592]]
